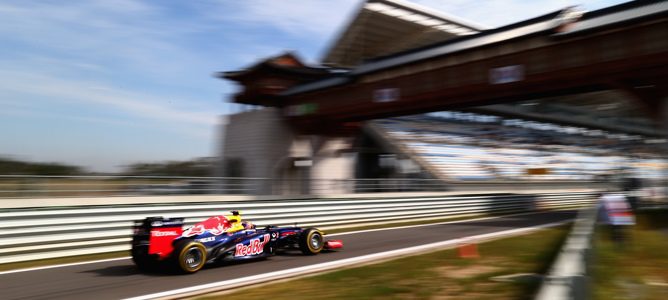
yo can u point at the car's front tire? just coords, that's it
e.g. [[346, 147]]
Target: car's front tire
[[190, 256], [311, 241]]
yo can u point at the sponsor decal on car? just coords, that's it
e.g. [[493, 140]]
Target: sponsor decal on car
[[206, 239], [255, 247], [215, 225], [166, 223], [164, 233]]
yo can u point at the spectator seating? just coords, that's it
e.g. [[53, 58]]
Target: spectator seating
[[471, 150]]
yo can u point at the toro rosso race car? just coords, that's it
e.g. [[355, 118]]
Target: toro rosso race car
[[163, 243]]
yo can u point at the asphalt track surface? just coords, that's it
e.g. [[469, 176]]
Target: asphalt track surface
[[120, 279]]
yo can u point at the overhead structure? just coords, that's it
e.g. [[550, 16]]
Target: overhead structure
[[553, 57], [567, 52], [383, 27]]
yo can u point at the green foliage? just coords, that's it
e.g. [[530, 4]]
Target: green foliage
[[637, 268], [15, 167], [201, 167]]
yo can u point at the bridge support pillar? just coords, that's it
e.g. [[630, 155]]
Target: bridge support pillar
[[333, 165], [265, 155]]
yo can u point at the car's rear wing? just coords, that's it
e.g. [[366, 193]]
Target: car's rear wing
[[157, 233]]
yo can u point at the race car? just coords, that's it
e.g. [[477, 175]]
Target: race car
[[163, 244]]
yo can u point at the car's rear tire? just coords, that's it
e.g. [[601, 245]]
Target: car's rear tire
[[311, 241], [190, 256]]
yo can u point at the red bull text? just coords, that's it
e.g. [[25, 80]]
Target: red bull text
[[255, 247]]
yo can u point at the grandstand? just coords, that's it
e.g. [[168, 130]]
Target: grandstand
[[456, 146]]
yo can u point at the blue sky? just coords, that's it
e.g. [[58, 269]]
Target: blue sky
[[105, 83]]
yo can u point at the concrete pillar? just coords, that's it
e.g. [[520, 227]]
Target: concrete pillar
[[254, 142], [259, 144], [333, 166]]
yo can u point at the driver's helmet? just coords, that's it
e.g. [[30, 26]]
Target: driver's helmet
[[235, 221]]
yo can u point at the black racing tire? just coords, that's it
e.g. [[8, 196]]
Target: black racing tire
[[190, 256], [311, 241]]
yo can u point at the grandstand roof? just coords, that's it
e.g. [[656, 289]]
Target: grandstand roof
[[382, 27]]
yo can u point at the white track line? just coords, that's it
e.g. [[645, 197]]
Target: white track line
[[353, 261], [334, 234]]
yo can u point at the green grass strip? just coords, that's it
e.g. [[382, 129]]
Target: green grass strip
[[637, 268], [437, 275]]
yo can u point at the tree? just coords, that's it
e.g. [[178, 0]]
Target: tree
[[199, 167], [14, 167]]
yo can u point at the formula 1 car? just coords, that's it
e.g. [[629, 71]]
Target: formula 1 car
[[162, 244]]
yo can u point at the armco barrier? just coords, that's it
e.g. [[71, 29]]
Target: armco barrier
[[568, 278], [40, 233]]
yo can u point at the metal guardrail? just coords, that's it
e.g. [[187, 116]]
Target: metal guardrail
[[32, 234], [33, 186], [569, 276]]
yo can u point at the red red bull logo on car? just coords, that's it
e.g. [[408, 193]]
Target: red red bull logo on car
[[215, 225], [255, 247]]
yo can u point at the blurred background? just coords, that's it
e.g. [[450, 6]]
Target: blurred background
[[525, 107]]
